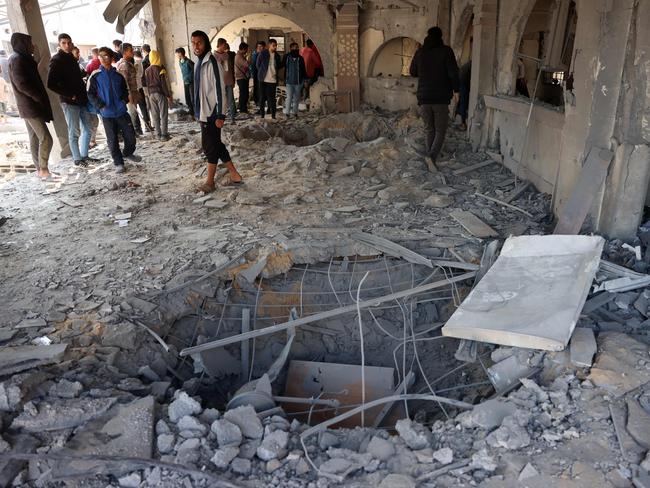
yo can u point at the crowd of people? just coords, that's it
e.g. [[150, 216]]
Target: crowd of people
[[122, 85], [129, 90]]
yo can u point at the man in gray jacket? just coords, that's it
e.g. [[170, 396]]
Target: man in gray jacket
[[209, 98]]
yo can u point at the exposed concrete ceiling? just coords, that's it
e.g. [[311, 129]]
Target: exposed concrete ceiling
[[122, 11]]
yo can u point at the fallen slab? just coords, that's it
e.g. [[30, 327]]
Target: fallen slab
[[533, 294], [62, 414], [472, 224], [583, 347], [20, 358]]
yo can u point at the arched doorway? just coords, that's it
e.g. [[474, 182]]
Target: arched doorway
[[393, 58]]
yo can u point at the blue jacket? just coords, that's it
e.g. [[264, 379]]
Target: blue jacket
[[262, 64], [295, 72], [108, 92]]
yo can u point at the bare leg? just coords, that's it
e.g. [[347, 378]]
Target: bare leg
[[235, 177]]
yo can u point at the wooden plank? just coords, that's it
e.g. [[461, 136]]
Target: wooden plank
[[373, 302], [473, 167], [517, 191], [472, 224], [575, 210]]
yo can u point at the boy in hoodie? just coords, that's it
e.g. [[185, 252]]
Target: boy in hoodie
[[159, 94], [209, 99], [31, 99], [108, 92], [268, 64], [294, 69], [434, 64]]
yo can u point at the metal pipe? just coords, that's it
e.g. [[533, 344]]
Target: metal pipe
[[309, 401]]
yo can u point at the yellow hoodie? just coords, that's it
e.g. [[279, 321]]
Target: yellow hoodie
[[154, 59]]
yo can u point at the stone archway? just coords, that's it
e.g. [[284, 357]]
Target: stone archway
[[393, 57]]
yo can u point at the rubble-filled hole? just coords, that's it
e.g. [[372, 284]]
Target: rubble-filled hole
[[400, 337]]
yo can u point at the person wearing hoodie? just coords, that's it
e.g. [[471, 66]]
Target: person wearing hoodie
[[268, 64], [295, 74], [32, 100], [434, 64], [160, 96], [313, 65], [108, 92], [209, 99], [65, 79]]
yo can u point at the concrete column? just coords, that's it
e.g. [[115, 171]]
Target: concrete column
[[347, 55], [25, 17], [483, 69]]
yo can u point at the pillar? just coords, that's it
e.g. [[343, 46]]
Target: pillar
[[25, 17], [347, 56], [483, 69]]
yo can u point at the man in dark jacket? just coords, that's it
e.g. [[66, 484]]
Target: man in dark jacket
[[435, 66], [268, 64], [65, 79], [32, 100], [295, 75], [261, 46], [187, 71], [108, 92]]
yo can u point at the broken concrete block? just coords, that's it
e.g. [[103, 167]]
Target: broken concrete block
[[29, 323], [632, 452], [122, 335], [228, 434], [438, 201], [336, 466], [247, 420], [397, 481], [444, 456], [327, 440], [20, 358], [223, 457], [528, 471], [380, 448], [511, 435], [273, 465], [508, 373], [63, 414], [482, 460], [202, 200], [219, 204], [273, 445], [142, 305], [583, 347], [414, 435], [638, 423], [241, 466], [10, 397], [488, 414], [132, 480], [347, 171], [190, 426], [66, 389], [165, 443], [182, 406]]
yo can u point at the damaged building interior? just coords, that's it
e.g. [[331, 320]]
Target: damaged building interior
[[347, 316]]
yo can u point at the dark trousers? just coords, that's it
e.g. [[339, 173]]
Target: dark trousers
[[142, 103], [243, 95], [189, 97], [213, 147], [436, 120], [113, 126], [256, 90], [268, 97]]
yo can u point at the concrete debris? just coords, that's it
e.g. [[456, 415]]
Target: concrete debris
[[488, 414], [228, 434], [413, 434], [529, 471], [182, 406], [380, 448], [62, 414], [444, 456], [397, 481], [638, 423], [20, 358], [66, 389], [583, 347], [224, 456], [273, 446], [247, 420]]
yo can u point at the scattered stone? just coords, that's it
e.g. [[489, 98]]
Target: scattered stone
[[414, 435], [4, 446], [444, 456], [438, 201], [302, 467], [191, 425], [182, 406], [347, 171], [202, 200], [209, 415], [397, 481], [583, 347], [66, 389], [62, 414], [638, 423], [241, 466], [487, 415], [223, 457], [511, 435], [29, 323], [380, 448], [482, 460], [529, 471], [162, 427], [336, 466], [327, 440], [247, 420], [228, 434], [273, 446], [189, 445], [10, 397], [131, 481], [274, 465], [122, 335], [165, 443]]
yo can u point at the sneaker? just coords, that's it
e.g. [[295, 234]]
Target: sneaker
[[134, 157], [81, 163], [120, 168], [164, 138], [88, 159]]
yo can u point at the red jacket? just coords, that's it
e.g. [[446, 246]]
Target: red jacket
[[313, 62], [93, 65]]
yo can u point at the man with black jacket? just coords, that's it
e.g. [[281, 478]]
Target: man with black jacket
[[434, 64], [31, 99], [268, 63], [65, 79]]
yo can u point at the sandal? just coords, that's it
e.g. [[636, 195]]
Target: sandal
[[228, 181], [205, 188]]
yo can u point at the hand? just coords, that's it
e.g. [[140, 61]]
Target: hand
[[171, 100], [131, 99], [456, 97], [219, 123]]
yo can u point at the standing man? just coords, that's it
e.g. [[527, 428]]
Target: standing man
[[223, 56], [117, 49], [187, 70], [434, 64], [268, 65], [142, 103], [209, 91], [126, 67], [107, 90], [261, 46], [242, 75], [94, 63], [146, 49], [295, 74], [64, 78], [160, 96], [313, 65], [32, 100]]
